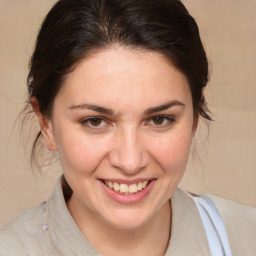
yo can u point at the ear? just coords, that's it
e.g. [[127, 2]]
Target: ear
[[46, 126]]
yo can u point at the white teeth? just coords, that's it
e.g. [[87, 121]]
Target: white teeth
[[133, 188], [116, 186], [110, 184], [144, 184], [127, 189], [123, 188]]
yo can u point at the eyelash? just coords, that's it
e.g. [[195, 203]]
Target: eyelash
[[168, 121], [87, 122]]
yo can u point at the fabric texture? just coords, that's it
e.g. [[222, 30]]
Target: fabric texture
[[214, 227], [49, 229]]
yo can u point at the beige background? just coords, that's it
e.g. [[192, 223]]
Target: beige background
[[227, 152]]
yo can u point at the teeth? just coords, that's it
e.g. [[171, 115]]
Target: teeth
[[140, 186], [116, 186], [123, 188], [127, 189], [110, 184], [133, 188], [144, 184]]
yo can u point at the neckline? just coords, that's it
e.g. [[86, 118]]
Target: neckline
[[187, 233]]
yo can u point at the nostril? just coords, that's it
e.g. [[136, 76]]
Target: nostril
[[129, 163], [128, 154]]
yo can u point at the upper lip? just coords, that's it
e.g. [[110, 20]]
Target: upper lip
[[128, 182]]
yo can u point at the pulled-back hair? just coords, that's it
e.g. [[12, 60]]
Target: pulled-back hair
[[75, 28]]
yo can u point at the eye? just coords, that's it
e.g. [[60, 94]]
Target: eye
[[161, 121], [94, 122]]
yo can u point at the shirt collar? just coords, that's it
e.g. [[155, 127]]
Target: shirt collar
[[187, 235]]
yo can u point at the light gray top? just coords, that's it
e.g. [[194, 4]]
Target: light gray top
[[49, 229]]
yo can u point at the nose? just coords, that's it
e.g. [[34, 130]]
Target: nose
[[128, 153]]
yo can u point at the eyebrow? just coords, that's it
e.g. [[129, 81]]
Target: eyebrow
[[162, 107], [96, 108], [109, 111]]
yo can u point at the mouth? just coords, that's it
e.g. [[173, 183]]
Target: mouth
[[127, 189], [128, 192]]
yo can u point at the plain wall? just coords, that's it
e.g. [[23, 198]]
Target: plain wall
[[227, 151]]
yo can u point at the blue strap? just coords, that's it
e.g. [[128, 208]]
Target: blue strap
[[214, 227]]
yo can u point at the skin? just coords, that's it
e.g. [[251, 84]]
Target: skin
[[129, 143]]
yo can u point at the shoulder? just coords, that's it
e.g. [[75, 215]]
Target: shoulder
[[23, 234], [236, 215], [240, 223]]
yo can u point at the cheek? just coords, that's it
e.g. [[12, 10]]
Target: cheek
[[172, 152], [81, 153]]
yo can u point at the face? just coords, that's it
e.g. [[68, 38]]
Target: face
[[122, 124]]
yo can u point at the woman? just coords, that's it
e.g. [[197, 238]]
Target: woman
[[117, 87]]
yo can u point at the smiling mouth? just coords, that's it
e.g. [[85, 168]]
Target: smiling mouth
[[125, 189]]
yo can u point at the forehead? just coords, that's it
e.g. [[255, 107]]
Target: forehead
[[124, 76]]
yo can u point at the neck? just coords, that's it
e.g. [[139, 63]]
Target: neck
[[151, 238]]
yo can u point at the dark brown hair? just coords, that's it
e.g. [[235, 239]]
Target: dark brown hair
[[74, 28]]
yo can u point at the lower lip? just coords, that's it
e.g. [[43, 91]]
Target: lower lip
[[128, 199]]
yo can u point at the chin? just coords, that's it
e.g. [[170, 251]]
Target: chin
[[127, 219]]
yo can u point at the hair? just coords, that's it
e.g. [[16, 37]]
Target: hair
[[75, 28]]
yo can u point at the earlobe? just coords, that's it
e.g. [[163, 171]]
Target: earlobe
[[46, 126], [48, 134]]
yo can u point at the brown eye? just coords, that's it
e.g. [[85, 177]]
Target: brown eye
[[159, 120], [95, 121]]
